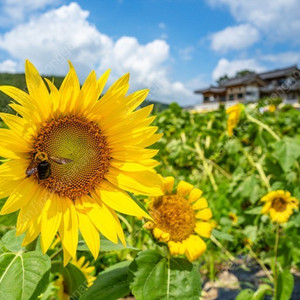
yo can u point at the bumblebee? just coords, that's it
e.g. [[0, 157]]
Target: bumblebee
[[41, 166]]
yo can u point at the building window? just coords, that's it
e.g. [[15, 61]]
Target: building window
[[206, 98], [240, 96], [231, 97]]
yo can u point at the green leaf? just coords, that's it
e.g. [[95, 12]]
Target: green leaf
[[156, 277], [110, 284], [261, 291], [11, 241], [246, 294], [21, 274], [75, 283], [254, 211], [105, 245], [287, 151], [9, 219], [285, 285], [222, 235]]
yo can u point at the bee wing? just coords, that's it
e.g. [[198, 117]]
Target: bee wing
[[60, 160], [31, 169]]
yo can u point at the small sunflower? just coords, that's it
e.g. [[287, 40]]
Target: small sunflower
[[280, 205], [234, 113], [85, 268], [233, 217], [272, 108], [179, 217], [71, 158]]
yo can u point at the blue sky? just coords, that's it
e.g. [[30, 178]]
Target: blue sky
[[170, 46]]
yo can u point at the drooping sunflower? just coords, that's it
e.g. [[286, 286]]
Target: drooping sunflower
[[71, 158], [280, 205], [234, 113], [180, 218], [84, 266]]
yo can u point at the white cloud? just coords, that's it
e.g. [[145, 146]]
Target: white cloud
[[65, 33], [186, 53], [8, 66], [278, 19], [284, 58], [16, 10], [226, 67], [234, 38]]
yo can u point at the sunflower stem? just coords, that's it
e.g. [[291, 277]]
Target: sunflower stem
[[264, 126], [216, 242], [275, 260], [206, 167], [56, 253], [261, 263]]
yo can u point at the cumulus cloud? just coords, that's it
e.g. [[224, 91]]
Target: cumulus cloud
[[8, 66], [51, 38], [278, 19], [234, 38], [284, 58], [226, 67], [16, 10]]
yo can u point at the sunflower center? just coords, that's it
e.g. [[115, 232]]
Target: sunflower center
[[279, 204], [174, 214], [80, 142]]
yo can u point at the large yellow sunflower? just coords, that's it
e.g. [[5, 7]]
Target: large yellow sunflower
[[70, 158], [280, 205], [179, 217]]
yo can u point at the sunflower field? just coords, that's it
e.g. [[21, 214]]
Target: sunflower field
[[99, 204]]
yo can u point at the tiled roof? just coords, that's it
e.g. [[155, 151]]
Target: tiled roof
[[278, 73], [213, 89]]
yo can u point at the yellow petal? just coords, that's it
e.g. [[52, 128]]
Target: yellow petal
[[8, 186], [20, 196], [195, 194], [119, 200], [31, 211], [184, 188], [131, 153], [145, 182], [195, 248], [37, 89], [88, 231], [33, 231], [203, 229], [14, 169], [101, 217], [200, 204], [134, 166], [168, 184], [204, 214], [68, 229], [51, 218]]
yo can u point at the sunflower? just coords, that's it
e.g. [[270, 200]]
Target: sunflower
[[71, 158], [179, 217], [85, 268], [234, 113], [233, 217], [280, 205]]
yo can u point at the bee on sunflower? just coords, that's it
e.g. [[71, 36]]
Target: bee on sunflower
[[180, 219], [71, 156]]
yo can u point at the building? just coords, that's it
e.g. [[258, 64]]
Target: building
[[281, 83]]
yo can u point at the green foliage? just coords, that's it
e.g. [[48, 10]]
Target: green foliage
[[159, 277], [111, 284]]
